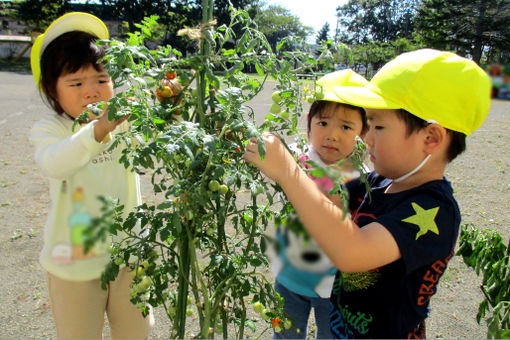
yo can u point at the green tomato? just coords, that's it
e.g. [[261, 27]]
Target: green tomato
[[214, 185], [258, 307], [310, 99], [276, 97], [210, 231], [118, 261], [134, 289], [171, 310], [189, 312], [137, 272], [285, 114], [277, 329], [189, 215], [113, 250], [189, 300], [145, 264], [265, 313], [319, 95], [287, 324], [144, 284], [223, 189], [259, 190], [275, 108]]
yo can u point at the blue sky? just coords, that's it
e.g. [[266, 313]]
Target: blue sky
[[313, 13]]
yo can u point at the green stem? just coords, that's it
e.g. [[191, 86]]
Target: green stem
[[183, 283], [254, 224], [243, 319], [205, 316]]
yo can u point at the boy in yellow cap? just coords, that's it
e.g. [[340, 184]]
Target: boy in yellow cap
[[420, 108]]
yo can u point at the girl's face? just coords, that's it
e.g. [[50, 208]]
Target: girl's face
[[391, 151], [86, 86], [333, 131]]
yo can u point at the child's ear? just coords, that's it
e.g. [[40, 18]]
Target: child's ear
[[435, 137]]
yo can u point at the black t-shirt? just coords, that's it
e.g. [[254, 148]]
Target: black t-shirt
[[392, 301]]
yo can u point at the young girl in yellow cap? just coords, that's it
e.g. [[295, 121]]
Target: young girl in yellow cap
[[304, 274], [420, 108], [66, 64]]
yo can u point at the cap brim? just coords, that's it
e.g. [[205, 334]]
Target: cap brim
[[74, 21], [363, 97], [330, 96]]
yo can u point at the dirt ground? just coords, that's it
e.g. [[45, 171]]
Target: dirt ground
[[480, 178]]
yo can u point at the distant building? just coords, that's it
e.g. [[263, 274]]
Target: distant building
[[13, 33]]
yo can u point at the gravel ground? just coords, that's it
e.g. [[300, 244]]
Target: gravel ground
[[480, 178]]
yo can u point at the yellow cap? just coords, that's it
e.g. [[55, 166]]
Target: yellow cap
[[432, 85], [345, 77], [74, 21]]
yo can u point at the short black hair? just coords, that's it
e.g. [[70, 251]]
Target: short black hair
[[414, 123], [318, 107], [68, 53]]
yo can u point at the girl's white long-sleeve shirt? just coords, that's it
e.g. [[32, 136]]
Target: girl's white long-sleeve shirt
[[79, 169]]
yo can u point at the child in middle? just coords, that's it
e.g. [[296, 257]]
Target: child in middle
[[304, 274]]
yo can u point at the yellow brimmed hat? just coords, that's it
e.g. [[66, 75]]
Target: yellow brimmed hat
[[74, 21], [433, 85], [339, 78]]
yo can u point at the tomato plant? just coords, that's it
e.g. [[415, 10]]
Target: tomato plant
[[485, 252], [199, 249]]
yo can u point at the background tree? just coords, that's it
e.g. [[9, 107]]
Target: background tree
[[276, 22], [323, 34], [378, 20], [469, 28], [38, 14]]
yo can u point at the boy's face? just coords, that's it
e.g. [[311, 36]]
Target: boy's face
[[391, 151], [333, 131], [86, 86]]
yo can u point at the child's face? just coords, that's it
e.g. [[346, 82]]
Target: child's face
[[391, 151], [86, 86], [333, 131]]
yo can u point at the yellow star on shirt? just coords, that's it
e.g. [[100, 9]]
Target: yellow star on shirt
[[423, 219]]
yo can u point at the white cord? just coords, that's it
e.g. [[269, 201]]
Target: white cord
[[412, 172]]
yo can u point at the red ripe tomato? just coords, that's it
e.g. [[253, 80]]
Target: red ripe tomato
[[276, 322], [171, 75]]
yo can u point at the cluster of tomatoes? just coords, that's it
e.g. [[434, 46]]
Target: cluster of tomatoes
[[266, 314], [169, 89]]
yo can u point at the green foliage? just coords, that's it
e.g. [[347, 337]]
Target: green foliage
[[378, 20], [199, 241], [485, 252], [173, 16], [323, 34], [38, 14], [466, 27], [277, 23]]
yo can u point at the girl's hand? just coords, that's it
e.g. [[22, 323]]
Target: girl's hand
[[104, 126], [278, 164]]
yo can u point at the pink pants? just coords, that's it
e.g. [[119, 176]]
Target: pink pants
[[78, 309]]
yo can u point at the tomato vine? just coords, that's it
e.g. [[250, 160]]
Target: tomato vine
[[485, 252], [199, 250]]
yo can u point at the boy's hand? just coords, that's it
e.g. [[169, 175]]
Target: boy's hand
[[278, 163]]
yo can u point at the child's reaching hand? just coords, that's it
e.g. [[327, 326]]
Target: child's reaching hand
[[104, 126], [278, 164]]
